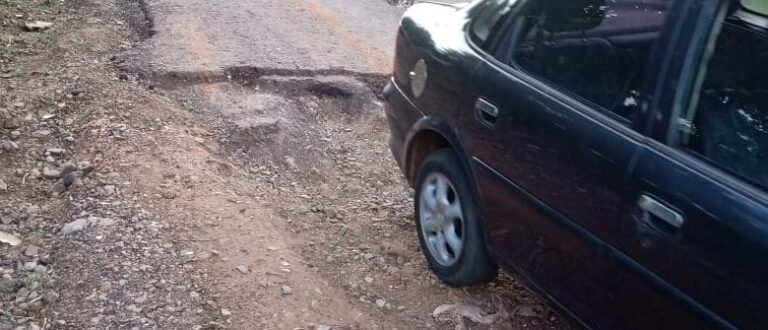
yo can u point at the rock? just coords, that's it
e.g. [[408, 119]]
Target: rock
[[9, 239], [271, 248], [456, 313], [101, 222], [368, 279], [168, 194], [74, 226], [41, 134], [3, 186], [242, 268], [15, 134], [291, 162], [286, 290], [109, 189], [30, 266], [50, 173], [31, 251], [67, 180], [323, 327], [9, 285], [67, 168], [225, 312], [63, 184], [50, 297], [9, 145], [526, 311], [133, 308], [12, 123], [37, 25], [381, 302], [32, 211], [194, 295], [55, 151]]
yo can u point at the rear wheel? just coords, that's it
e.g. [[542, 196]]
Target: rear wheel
[[450, 232]]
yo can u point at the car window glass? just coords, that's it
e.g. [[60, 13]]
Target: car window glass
[[488, 19], [757, 6], [595, 49], [727, 122]]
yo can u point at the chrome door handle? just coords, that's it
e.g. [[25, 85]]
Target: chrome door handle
[[486, 112], [662, 212]]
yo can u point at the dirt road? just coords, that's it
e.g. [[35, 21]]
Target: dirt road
[[240, 158]]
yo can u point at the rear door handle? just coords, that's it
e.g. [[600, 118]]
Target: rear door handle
[[659, 211], [486, 112]]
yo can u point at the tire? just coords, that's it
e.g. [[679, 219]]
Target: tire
[[439, 222]]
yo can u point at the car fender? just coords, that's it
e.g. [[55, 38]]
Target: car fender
[[439, 126]]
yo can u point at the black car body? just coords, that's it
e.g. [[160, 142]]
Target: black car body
[[616, 150]]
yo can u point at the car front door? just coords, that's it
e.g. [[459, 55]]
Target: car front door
[[701, 230], [553, 135]]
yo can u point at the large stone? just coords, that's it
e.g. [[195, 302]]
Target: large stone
[[9, 285], [67, 168], [56, 151], [50, 173], [81, 224], [9, 239], [286, 290], [31, 251], [101, 222], [74, 226], [9, 145]]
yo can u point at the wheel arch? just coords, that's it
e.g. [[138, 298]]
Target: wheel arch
[[427, 135]]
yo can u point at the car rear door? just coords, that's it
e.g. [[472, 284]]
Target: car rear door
[[701, 228], [553, 135]]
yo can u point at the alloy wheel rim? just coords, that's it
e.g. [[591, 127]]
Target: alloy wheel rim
[[441, 219]]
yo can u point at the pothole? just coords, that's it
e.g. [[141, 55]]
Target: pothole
[[328, 90], [286, 121]]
